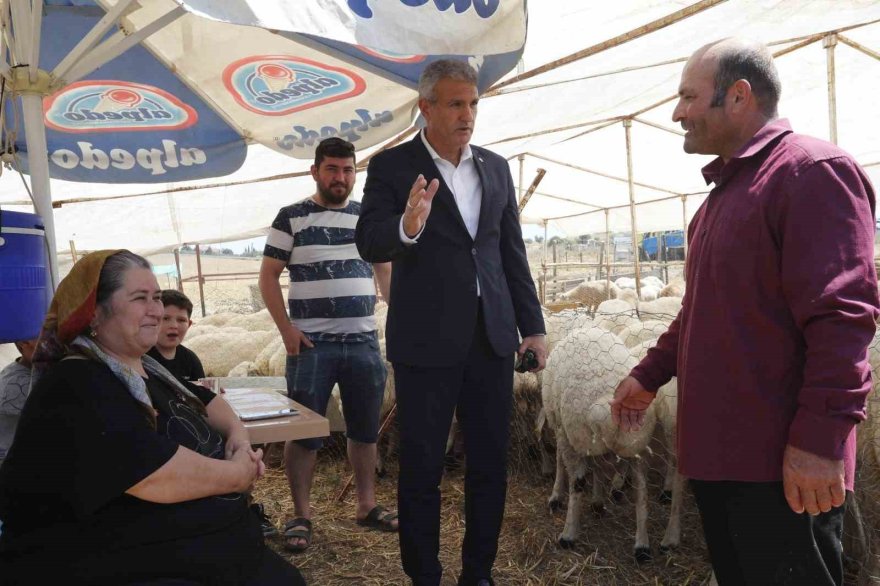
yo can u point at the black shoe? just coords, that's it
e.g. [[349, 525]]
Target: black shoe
[[266, 524]]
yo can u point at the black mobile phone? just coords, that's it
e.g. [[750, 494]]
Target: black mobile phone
[[528, 361]]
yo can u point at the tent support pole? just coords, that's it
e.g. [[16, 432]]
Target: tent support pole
[[830, 42], [608, 251], [858, 47], [179, 274], [544, 268], [201, 278], [627, 126], [684, 223], [38, 159], [522, 168]]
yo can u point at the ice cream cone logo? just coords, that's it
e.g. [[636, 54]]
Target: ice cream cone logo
[[276, 76], [116, 99]]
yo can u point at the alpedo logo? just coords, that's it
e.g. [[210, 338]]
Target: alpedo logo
[[277, 85], [114, 106]]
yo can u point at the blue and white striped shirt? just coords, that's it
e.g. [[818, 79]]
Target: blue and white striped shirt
[[332, 295]]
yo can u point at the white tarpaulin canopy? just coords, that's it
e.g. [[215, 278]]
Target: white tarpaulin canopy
[[569, 119], [588, 103], [182, 88]]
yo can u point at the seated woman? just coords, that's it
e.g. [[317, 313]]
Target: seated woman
[[119, 473]]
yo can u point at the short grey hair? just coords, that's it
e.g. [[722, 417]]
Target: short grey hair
[[113, 275], [444, 69], [753, 63]]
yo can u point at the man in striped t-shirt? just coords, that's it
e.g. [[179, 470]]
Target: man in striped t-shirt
[[330, 335]]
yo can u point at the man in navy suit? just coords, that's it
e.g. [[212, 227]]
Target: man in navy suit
[[445, 213]]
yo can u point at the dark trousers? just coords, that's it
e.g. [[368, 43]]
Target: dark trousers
[[754, 538], [479, 391]]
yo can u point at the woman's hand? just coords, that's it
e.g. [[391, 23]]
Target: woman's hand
[[235, 442], [249, 468], [238, 443]]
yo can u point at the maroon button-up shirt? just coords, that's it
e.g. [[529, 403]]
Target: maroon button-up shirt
[[770, 347]]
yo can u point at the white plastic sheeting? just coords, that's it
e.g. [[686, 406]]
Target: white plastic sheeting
[[625, 80], [367, 22], [610, 84]]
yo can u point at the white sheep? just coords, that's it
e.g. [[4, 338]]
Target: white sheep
[[625, 283], [652, 281], [615, 315], [261, 362], [252, 322], [241, 370], [865, 507], [642, 331], [591, 293], [196, 331], [558, 325], [649, 293], [666, 402], [216, 319], [675, 288], [664, 309], [579, 384], [278, 361], [629, 295], [220, 352]]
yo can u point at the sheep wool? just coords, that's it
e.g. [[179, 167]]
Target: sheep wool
[[241, 369], [592, 363], [591, 293], [217, 319], [615, 315], [675, 288], [664, 309], [642, 331], [559, 325], [652, 281], [260, 321], [278, 362], [221, 352], [649, 292], [629, 295], [200, 330], [261, 362]]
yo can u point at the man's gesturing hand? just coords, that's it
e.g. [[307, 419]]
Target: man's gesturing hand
[[418, 205], [812, 483], [631, 401]]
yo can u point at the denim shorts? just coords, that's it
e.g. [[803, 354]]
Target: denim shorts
[[359, 370]]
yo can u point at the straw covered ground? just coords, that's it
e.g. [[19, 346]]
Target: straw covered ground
[[344, 553]]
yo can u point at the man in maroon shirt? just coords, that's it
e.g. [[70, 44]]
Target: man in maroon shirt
[[770, 346]]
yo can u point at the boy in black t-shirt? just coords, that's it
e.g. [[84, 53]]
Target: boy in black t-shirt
[[169, 351]]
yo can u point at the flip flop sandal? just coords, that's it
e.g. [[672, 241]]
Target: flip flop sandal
[[379, 518], [291, 533]]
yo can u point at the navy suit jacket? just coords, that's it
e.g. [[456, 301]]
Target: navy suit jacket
[[433, 309]]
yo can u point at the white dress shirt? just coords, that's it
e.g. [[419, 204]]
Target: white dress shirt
[[464, 183]]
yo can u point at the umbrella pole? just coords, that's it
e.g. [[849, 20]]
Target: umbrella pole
[[38, 163]]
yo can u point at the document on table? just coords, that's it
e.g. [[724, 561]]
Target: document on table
[[253, 404]]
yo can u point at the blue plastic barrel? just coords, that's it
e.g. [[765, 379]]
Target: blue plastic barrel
[[25, 286]]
